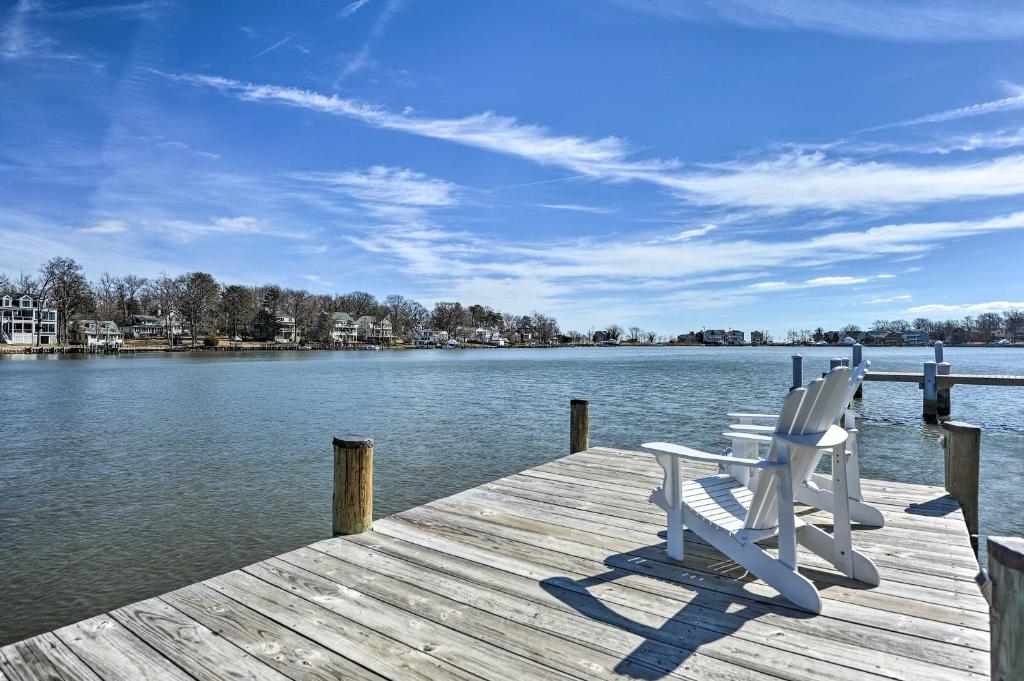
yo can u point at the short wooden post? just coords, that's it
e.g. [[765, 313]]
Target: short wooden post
[[798, 372], [929, 403], [835, 362], [353, 484], [858, 357], [579, 426], [942, 405], [961, 448], [1006, 607]]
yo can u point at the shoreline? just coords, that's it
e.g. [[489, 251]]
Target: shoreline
[[13, 349]]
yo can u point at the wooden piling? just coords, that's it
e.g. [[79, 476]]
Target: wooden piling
[[942, 402], [353, 484], [961, 448], [798, 372], [1006, 607], [858, 357], [929, 399], [579, 426]]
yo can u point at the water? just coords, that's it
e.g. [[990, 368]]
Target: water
[[124, 477]]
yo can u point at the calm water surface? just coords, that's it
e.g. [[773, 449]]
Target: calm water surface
[[124, 477]]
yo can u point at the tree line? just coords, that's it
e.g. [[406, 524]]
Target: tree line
[[984, 327], [202, 305]]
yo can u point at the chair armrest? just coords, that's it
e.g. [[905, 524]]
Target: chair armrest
[[749, 437], [694, 455], [832, 437], [751, 428], [740, 415]]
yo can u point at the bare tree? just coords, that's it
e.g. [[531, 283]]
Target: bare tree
[[614, 332], [650, 336], [164, 294], [198, 295], [448, 316], [105, 297], [129, 287], [634, 333], [65, 288], [237, 308], [358, 304]]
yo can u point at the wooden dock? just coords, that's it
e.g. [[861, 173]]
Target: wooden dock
[[945, 380], [557, 572]]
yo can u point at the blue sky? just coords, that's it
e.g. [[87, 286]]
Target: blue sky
[[672, 165]]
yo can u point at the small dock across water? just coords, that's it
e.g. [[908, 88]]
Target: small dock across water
[[557, 572]]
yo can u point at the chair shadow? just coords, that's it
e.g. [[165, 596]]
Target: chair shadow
[[937, 507], [667, 643]]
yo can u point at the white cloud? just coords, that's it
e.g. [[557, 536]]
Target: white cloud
[[815, 282], [575, 207], [793, 181], [183, 231], [387, 185], [351, 8], [890, 299], [812, 181], [685, 235], [280, 43], [1011, 103], [106, 227], [965, 309], [913, 20]]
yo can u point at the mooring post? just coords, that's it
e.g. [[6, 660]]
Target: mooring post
[[858, 357], [942, 404], [961, 449], [938, 351], [798, 372], [579, 426], [353, 484], [1006, 607], [928, 408]]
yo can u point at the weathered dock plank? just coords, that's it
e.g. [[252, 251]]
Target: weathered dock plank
[[557, 572], [945, 380]]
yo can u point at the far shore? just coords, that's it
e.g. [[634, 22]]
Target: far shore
[[253, 346]]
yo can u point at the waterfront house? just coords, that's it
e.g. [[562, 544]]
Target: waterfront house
[[690, 338], [280, 330], [91, 332], [757, 338], [370, 329], [428, 336], [714, 337], [23, 321], [915, 337], [144, 326], [336, 327], [733, 337], [600, 336]]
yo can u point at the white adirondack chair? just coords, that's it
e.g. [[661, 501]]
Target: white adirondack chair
[[815, 489], [733, 518]]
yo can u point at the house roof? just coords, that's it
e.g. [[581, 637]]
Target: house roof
[[342, 317], [106, 326], [143, 318]]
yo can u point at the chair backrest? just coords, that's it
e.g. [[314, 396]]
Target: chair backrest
[[806, 410]]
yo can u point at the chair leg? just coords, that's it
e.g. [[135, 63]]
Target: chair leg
[[823, 499], [799, 590], [671, 501], [823, 544], [843, 558]]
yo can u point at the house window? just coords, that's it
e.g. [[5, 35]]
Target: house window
[[26, 302], [7, 301]]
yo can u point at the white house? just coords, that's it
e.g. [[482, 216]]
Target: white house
[[338, 327], [915, 337], [22, 320], [734, 337], [428, 336], [85, 332], [370, 329], [144, 326], [714, 337]]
